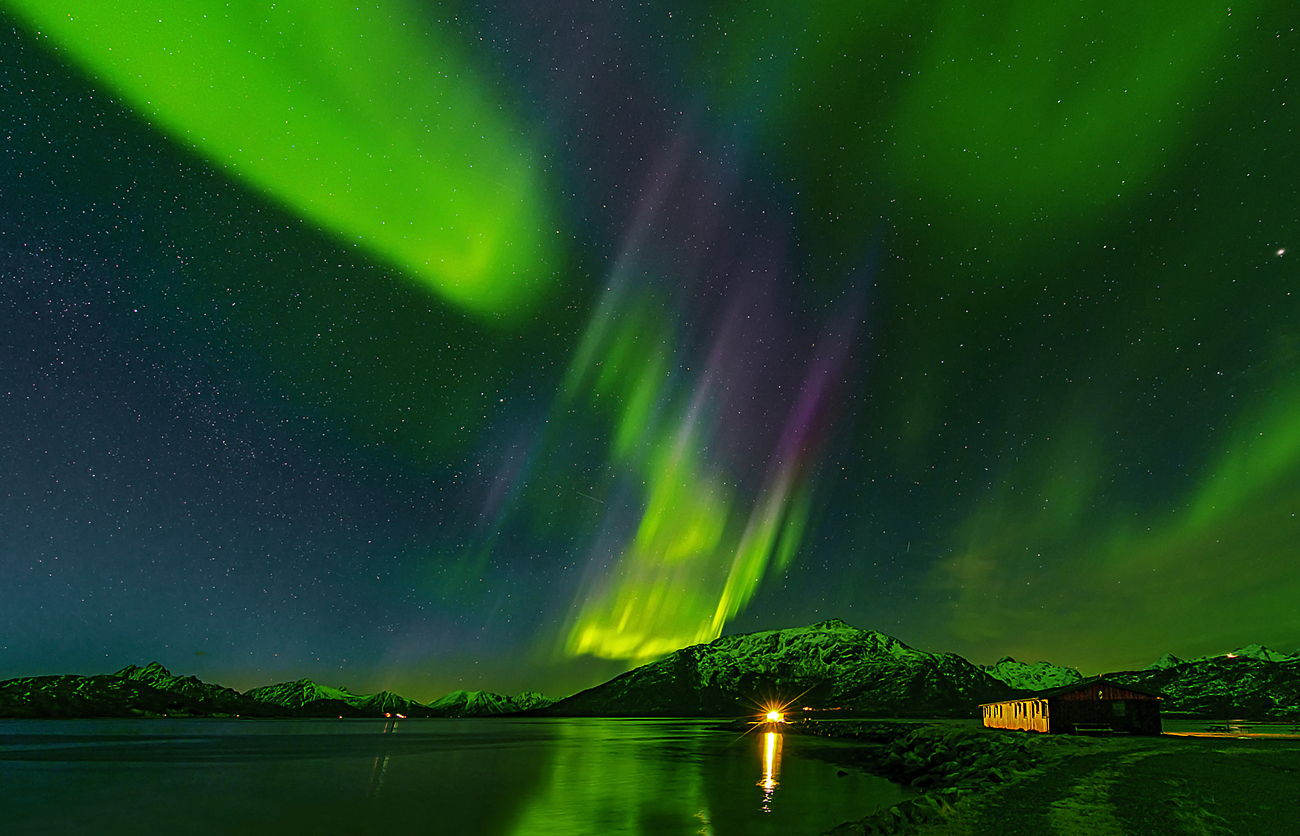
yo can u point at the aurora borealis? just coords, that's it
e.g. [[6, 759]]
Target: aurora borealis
[[506, 345], [375, 144]]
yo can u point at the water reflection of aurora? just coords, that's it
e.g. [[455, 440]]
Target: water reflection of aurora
[[670, 777], [469, 777]]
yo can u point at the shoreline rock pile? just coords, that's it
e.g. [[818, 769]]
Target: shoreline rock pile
[[945, 763]]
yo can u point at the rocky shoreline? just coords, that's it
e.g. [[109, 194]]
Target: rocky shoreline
[[945, 763]]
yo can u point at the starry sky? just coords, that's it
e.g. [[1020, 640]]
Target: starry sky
[[508, 345]]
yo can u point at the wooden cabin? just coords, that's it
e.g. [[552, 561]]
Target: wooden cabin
[[1095, 704]]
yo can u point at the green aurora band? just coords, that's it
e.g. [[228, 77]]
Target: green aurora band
[[1004, 154], [1007, 144], [701, 547], [371, 123], [1004, 125]]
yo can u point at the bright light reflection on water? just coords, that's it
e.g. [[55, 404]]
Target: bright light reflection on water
[[771, 767], [465, 777]]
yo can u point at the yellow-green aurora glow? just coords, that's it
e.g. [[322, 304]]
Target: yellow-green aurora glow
[[700, 546], [506, 345], [369, 121]]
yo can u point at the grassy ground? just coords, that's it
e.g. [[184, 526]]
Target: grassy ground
[[1083, 786], [1137, 786]]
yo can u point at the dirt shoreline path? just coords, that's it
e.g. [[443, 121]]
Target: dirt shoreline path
[[1105, 786], [1138, 786]]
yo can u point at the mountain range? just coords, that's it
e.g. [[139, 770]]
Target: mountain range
[[153, 690], [830, 669], [833, 667], [1251, 683]]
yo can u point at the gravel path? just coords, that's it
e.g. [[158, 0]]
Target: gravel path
[[1158, 786], [1110, 786]]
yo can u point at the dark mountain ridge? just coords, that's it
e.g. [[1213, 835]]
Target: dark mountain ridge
[[826, 666], [215, 698], [830, 666], [833, 666], [1252, 683], [105, 695], [153, 691]]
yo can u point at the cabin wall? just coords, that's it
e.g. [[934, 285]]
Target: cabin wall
[[1065, 713], [1029, 715], [1145, 717], [1120, 715], [1102, 692]]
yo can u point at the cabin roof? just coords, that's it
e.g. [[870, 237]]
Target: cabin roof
[[1078, 686]]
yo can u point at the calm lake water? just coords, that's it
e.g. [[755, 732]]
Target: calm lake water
[[469, 777]]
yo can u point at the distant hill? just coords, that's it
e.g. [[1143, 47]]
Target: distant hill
[[1251, 683], [210, 699], [830, 665], [1169, 660], [153, 691], [106, 695], [482, 703], [1038, 676], [307, 699]]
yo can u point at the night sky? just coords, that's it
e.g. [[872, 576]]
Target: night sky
[[509, 345]]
